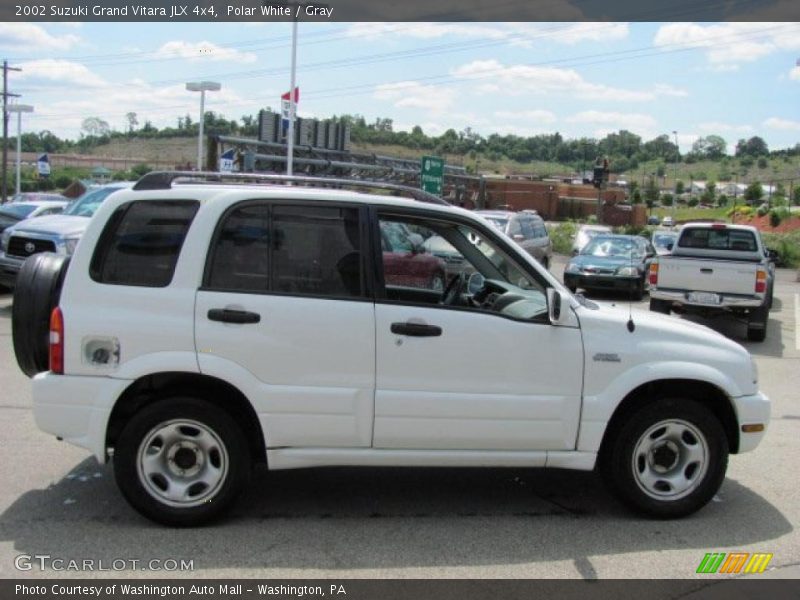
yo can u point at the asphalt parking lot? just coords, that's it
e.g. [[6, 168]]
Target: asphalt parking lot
[[341, 523]]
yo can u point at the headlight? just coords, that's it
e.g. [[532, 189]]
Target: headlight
[[628, 271], [4, 240], [754, 368], [70, 244], [573, 268]]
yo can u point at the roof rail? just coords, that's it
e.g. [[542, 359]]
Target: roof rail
[[163, 180]]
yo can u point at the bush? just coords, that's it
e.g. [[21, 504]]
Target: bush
[[787, 245], [693, 202], [63, 181], [562, 236], [741, 211], [762, 163], [774, 217], [762, 210], [666, 200], [140, 170], [722, 200]]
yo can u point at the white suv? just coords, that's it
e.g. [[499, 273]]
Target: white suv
[[203, 327]]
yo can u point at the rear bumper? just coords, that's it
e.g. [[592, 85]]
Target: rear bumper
[[751, 410], [76, 409], [727, 301]]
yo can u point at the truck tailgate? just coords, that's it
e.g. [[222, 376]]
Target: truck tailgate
[[703, 275]]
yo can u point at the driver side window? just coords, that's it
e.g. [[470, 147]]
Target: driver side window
[[431, 261]]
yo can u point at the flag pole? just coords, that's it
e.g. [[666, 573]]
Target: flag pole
[[292, 98]]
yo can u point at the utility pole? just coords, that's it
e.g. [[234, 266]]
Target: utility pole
[[6, 96]]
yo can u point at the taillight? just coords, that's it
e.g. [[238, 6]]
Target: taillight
[[761, 282], [57, 341], [653, 273]]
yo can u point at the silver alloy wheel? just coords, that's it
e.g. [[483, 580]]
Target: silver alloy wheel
[[670, 460], [182, 463]]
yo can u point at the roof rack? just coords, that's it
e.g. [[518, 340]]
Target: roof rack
[[163, 180]]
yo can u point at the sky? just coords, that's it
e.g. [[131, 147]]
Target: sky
[[579, 79]]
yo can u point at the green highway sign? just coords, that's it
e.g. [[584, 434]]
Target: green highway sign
[[432, 174]]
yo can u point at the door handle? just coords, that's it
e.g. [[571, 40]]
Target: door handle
[[416, 329], [706, 270], [226, 315]]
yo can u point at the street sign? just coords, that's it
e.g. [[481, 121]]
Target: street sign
[[432, 174], [287, 107], [226, 160], [43, 165]]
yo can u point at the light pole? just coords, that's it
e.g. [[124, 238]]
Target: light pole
[[202, 87], [292, 104], [19, 109], [675, 188]]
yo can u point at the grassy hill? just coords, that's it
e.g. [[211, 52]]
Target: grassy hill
[[182, 150]]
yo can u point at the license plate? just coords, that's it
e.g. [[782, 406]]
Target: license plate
[[704, 298]]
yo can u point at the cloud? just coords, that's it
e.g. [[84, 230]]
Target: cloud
[[718, 128], [730, 44], [517, 34], [618, 120], [412, 94], [539, 116], [27, 37], [203, 51], [59, 71], [518, 79], [794, 74], [664, 89], [782, 124]]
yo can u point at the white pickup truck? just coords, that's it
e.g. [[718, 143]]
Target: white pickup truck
[[716, 268]]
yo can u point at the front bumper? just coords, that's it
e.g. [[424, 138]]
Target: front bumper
[[9, 269], [76, 409], [751, 410], [601, 282]]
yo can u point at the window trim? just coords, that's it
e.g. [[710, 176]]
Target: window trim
[[365, 249], [104, 242]]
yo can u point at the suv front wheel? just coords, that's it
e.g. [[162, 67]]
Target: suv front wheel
[[181, 461], [668, 459]]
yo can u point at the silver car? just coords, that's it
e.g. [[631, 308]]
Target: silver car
[[526, 228]]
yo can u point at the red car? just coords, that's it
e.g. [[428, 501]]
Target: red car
[[405, 261]]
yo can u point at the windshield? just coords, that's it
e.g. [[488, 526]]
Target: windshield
[[499, 223], [17, 211], [662, 240], [614, 246], [86, 205]]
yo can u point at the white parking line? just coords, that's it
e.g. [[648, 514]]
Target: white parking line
[[797, 321]]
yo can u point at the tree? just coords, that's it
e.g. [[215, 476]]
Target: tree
[[754, 147], [762, 162], [132, 121], [754, 192], [95, 126], [666, 200], [679, 187], [651, 191], [712, 147], [796, 195], [722, 200]]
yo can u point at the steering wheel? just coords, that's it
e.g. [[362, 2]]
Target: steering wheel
[[452, 293]]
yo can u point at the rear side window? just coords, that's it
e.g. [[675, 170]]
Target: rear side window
[[527, 228], [316, 251], [303, 250], [540, 229], [718, 239], [141, 243]]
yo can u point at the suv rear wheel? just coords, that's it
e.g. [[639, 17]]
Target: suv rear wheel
[[668, 459], [181, 461]]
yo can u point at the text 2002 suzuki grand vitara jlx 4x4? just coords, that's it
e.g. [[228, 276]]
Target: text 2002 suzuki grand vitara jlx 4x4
[[203, 326]]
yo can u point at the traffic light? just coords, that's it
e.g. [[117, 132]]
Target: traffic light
[[600, 174]]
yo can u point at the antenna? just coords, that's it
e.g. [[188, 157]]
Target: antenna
[[630, 324]]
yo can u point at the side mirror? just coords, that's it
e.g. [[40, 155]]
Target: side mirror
[[772, 254], [554, 306], [669, 246], [417, 243]]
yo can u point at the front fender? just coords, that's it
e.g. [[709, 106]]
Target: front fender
[[598, 409]]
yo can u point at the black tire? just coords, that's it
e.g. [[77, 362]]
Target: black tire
[[757, 324], [36, 294], [660, 306], [618, 466], [141, 426]]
